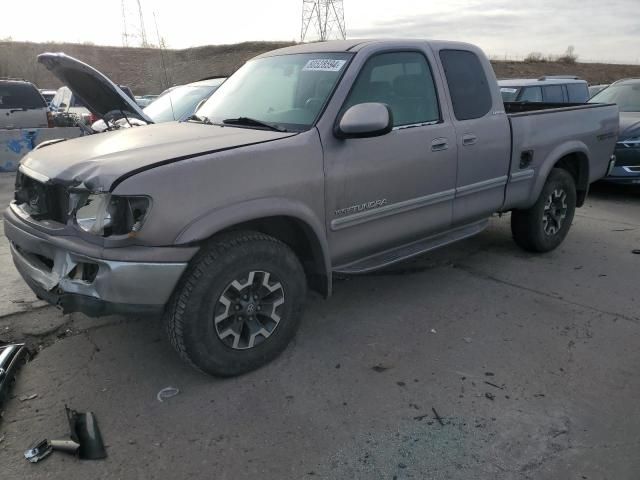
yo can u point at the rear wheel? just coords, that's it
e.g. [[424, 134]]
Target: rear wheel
[[238, 305], [544, 226]]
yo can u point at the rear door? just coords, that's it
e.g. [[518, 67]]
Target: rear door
[[482, 135], [21, 106]]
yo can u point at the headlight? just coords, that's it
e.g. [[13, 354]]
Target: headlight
[[633, 142], [106, 214]]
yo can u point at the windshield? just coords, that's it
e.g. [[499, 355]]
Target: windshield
[[178, 103], [626, 95], [509, 94], [287, 91]]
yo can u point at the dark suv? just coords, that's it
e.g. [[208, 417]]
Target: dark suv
[[625, 93]]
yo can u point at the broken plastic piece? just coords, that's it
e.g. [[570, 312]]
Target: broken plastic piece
[[85, 432], [12, 357], [167, 392], [39, 451], [67, 446]]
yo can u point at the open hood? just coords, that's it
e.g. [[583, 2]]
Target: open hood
[[96, 91]]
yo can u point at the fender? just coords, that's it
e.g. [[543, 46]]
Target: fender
[[219, 219], [544, 168]]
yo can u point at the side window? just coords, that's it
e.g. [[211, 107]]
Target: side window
[[531, 94], [468, 85], [403, 81], [553, 94], [578, 92]]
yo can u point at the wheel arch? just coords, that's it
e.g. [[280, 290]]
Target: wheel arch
[[292, 223], [572, 157]]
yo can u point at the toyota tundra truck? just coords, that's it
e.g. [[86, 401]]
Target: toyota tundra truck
[[318, 158]]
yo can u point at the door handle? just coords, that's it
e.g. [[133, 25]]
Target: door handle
[[439, 144], [469, 139]]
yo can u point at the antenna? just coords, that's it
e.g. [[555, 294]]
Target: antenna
[[133, 29], [327, 19]]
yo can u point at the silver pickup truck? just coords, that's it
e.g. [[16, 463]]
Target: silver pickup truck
[[329, 157]]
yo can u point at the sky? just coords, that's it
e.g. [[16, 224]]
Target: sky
[[607, 31]]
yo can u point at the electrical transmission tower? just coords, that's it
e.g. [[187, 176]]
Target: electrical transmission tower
[[133, 30], [326, 17]]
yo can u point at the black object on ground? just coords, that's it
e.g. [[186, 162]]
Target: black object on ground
[[12, 357], [437, 416], [494, 385], [636, 251], [490, 396], [85, 431]]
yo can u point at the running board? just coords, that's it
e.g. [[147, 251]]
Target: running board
[[394, 255]]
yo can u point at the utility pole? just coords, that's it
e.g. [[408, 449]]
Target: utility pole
[[134, 32], [326, 19]]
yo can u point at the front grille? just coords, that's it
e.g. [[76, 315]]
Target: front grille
[[627, 156], [41, 201]]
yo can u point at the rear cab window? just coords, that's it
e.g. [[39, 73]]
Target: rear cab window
[[531, 94], [468, 84], [20, 95]]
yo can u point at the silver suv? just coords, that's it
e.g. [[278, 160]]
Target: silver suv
[[547, 89], [22, 105]]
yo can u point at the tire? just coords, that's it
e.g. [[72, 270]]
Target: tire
[[544, 226], [238, 304]]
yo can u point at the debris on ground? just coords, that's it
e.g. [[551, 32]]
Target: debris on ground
[[467, 339], [12, 357], [25, 398], [38, 451], [85, 432], [167, 392], [494, 385], [379, 368], [489, 374], [636, 251], [490, 396], [437, 416], [433, 330]]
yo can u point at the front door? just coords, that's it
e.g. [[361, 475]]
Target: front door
[[399, 187]]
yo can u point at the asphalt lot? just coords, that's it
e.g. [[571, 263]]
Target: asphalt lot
[[530, 361]]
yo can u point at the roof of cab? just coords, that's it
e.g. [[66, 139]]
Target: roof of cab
[[353, 45]]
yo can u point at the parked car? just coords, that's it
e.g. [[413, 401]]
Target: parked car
[[549, 89], [327, 157], [113, 105], [626, 94], [83, 100], [145, 100], [594, 89], [180, 102], [47, 95], [22, 105]]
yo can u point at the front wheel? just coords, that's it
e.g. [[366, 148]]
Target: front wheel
[[544, 226], [238, 305]]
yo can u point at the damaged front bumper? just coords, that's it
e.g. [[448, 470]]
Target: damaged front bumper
[[78, 276]]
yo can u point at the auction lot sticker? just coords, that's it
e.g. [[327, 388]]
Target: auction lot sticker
[[324, 65]]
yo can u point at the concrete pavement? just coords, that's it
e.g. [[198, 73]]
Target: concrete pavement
[[531, 363]]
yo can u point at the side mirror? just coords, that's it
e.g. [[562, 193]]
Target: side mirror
[[365, 120]]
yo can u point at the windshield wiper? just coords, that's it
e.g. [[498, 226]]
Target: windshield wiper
[[252, 122], [200, 119]]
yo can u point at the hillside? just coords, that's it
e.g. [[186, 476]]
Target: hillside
[[141, 68]]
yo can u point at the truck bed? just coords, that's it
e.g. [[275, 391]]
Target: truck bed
[[542, 133]]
